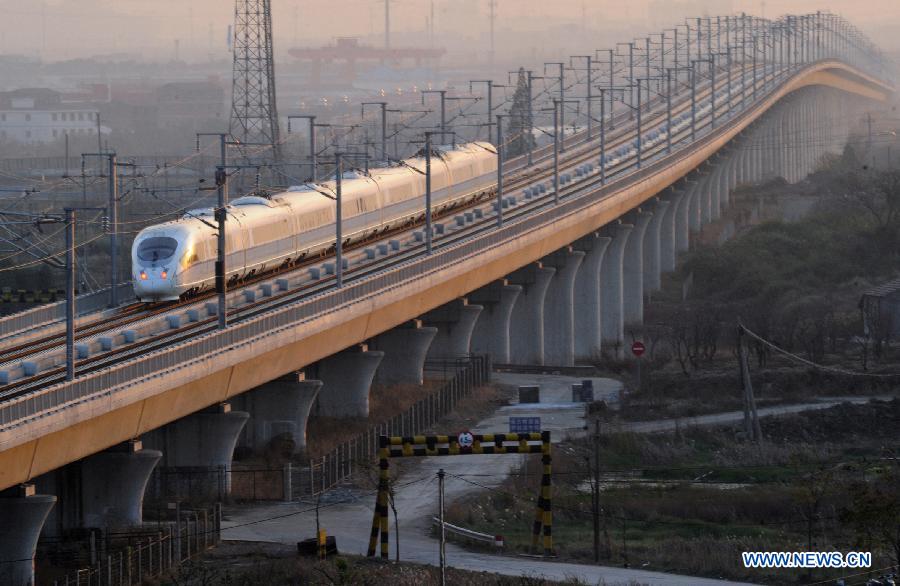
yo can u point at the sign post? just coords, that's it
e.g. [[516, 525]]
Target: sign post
[[638, 349]]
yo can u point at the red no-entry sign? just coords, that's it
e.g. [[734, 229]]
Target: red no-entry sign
[[638, 348]]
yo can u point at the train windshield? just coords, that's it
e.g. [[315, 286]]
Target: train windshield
[[157, 248]]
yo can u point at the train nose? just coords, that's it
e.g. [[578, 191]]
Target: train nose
[[155, 284]]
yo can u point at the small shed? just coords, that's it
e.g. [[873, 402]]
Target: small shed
[[880, 308]]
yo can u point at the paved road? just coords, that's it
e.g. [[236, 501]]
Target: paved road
[[348, 515], [733, 416]]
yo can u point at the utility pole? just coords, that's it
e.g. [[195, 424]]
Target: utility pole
[[562, 98], [500, 151], [694, 99], [431, 27], [112, 207], [640, 140], [443, 552], [443, 94], [603, 134], [387, 24], [70, 293], [590, 86], [596, 489], [609, 81], [530, 141], [312, 143], [221, 216], [751, 418], [490, 103], [113, 204], [428, 192], [558, 105], [669, 72], [338, 224], [493, 8], [556, 108], [383, 105], [630, 46], [712, 82]]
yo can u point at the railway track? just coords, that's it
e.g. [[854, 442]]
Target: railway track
[[577, 154]]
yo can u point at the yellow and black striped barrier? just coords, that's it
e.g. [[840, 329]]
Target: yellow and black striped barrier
[[448, 445]]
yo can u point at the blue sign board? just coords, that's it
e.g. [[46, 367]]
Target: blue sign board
[[524, 425]]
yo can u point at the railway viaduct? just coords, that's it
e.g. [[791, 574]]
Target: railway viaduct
[[557, 285]]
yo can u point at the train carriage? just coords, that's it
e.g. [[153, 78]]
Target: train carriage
[[177, 258]]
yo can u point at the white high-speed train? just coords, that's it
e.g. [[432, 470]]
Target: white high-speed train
[[177, 258]]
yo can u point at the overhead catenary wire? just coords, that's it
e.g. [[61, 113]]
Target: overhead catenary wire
[[810, 363]]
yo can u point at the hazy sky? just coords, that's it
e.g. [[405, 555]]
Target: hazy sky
[[59, 29]]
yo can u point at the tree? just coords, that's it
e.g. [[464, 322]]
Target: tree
[[874, 512], [520, 128]]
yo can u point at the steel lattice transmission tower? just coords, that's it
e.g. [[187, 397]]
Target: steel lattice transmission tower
[[254, 114]]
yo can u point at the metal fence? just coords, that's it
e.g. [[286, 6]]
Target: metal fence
[[42, 314], [199, 484], [360, 452], [155, 555], [281, 321], [241, 482]]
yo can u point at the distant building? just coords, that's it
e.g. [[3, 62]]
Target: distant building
[[191, 105], [880, 308], [39, 115]]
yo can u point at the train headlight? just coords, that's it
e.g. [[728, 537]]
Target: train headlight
[[143, 275], [164, 274]]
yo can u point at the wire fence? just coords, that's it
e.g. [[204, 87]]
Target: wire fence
[[356, 454], [150, 555], [292, 482]]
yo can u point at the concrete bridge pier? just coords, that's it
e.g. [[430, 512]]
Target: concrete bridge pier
[[559, 307], [280, 409], [113, 484], [760, 148], [712, 169], [633, 269], [797, 144], [728, 180], [405, 349], [668, 247], [346, 382], [751, 149], [757, 148], [653, 247], [588, 320], [748, 158], [770, 166], [491, 334], [742, 174], [793, 145], [695, 197], [789, 147], [22, 515], [455, 322], [612, 317], [716, 185], [682, 218], [780, 144], [526, 324], [731, 177], [808, 149], [199, 448]]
